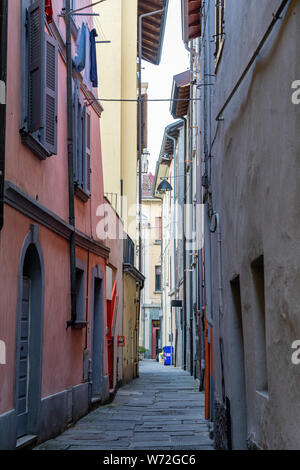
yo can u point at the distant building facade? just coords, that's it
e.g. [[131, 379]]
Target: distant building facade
[[151, 312]]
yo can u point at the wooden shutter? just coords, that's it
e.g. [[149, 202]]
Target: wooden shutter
[[75, 136], [50, 105], [88, 151], [82, 139], [36, 36]]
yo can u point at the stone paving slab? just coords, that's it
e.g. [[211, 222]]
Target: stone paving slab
[[161, 410]]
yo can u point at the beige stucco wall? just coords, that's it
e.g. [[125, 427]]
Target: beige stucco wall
[[130, 328], [117, 79]]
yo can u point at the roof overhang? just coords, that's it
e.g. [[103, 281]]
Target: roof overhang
[[166, 153], [153, 29], [134, 273], [180, 91], [191, 19]]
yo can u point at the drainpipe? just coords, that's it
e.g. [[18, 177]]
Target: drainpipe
[[174, 241], [192, 55], [217, 228], [184, 248], [72, 321], [174, 237], [140, 30], [3, 71]]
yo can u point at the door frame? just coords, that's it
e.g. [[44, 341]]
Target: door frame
[[97, 274], [33, 412]]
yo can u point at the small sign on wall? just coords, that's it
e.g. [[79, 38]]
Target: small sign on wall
[[121, 341]]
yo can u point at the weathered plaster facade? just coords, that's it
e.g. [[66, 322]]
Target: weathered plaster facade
[[253, 153]]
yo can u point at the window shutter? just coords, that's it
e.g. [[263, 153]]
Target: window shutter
[[50, 88], [36, 36], [81, 143], [88, 151], [75, 124]]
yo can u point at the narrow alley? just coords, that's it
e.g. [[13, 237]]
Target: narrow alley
[[162, 409], [149, 227]]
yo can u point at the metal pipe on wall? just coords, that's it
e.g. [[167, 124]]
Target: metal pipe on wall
[[70, 164], [174, 230], [184, 247], [192, 54], [3, 72]]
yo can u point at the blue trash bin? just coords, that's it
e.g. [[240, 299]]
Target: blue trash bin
[[168, 355]]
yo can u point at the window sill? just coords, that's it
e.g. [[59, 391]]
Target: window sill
[[219, 54], [81, 194], [34, 145], [263, 393], [157, 292]]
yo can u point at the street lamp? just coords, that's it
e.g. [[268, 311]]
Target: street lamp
[[164, 187]]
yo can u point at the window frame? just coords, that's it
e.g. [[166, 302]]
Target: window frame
[[35, 140], [82, 154], [158, 291], [220, 6]]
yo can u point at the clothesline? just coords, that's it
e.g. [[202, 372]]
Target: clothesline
[[85, 59]]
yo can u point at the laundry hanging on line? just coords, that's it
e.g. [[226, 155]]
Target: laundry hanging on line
[[49, 11], [79, 61], [86, 58], [94, 73]]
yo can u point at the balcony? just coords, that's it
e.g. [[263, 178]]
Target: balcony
[[128, 251]]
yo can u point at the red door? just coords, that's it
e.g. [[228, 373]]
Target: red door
[[155, 336], [111, 305]]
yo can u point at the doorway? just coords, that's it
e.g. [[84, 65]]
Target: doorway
[[155, 337], [238, 394], [28, 370], [97, 339]]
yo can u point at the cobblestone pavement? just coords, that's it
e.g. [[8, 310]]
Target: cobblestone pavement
[[161, 410]]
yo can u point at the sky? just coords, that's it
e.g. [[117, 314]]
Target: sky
[[175, 59]]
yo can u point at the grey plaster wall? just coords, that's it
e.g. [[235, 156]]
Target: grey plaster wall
[[255, 176]]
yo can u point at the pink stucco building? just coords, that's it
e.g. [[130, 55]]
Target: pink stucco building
[[56, 364]]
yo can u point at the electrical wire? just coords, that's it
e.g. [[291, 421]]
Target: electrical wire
[[143, 100]]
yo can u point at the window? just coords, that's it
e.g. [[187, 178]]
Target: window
[[158, 229], [257, 268], [39, 82], [80, 301], [157, 278], [82, 145], [219, 28]]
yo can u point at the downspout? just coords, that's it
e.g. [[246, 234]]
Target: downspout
[[206, 177], [72, 321], [184, 248], [140, 29], [174, 237], [161, 255], [3, 72], [200, 240], [192, 54], [174, 241], [217, 228]]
